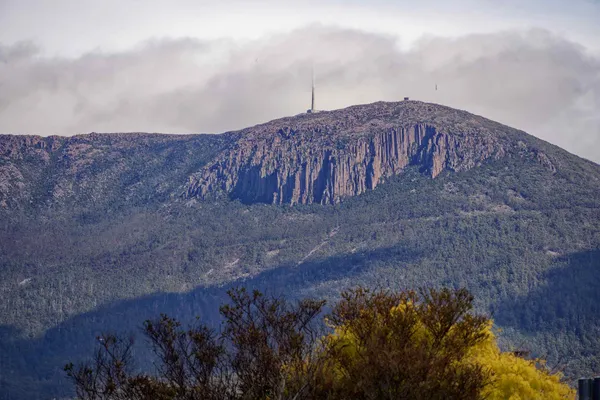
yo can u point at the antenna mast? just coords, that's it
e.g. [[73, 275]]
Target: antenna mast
[[312, 104], [312, 108]]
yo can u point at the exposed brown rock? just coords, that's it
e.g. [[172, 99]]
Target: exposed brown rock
[[309, 158], [322, 158]]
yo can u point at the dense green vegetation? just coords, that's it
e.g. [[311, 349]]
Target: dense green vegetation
[[522, 239]]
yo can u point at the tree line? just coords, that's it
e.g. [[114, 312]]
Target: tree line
[[372, 344]]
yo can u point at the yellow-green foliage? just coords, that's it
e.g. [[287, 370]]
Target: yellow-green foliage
[[508, 376], [515, 378], [385, 345]]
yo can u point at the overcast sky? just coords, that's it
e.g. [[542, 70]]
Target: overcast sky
[[194, 66]]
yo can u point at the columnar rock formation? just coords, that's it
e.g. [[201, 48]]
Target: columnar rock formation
[[326, 157], [309, 158]]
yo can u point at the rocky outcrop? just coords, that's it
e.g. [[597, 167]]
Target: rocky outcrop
[[317, 158], [325, 157]]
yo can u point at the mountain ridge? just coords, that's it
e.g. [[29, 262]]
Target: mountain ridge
[[356, 149], [308, 158], [105, 219]]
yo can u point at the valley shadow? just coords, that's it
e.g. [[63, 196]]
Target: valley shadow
[[568, 301], [565, 310], [32, 369]]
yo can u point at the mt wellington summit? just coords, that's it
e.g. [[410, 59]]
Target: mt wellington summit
[[99, 230], [325, 157]]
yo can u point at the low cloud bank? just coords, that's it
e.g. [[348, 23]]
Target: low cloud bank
[[532, 80]]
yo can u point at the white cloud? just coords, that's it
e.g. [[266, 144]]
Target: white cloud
[[531, 80]]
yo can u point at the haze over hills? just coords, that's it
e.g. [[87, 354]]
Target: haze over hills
[[99, 231]]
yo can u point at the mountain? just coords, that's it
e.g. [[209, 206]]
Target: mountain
[[322, 158], [100, 231]]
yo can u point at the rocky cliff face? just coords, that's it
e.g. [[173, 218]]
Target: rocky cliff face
[[309, 158], [322, 158]]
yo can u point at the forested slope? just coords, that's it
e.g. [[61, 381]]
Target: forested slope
[[521, 235]]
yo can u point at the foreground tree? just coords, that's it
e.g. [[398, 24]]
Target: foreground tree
[[427, 345], [516, 378], [381, 345], [267, 349], [405, 346]]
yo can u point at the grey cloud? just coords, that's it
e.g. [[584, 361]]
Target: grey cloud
[[531, 80]]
